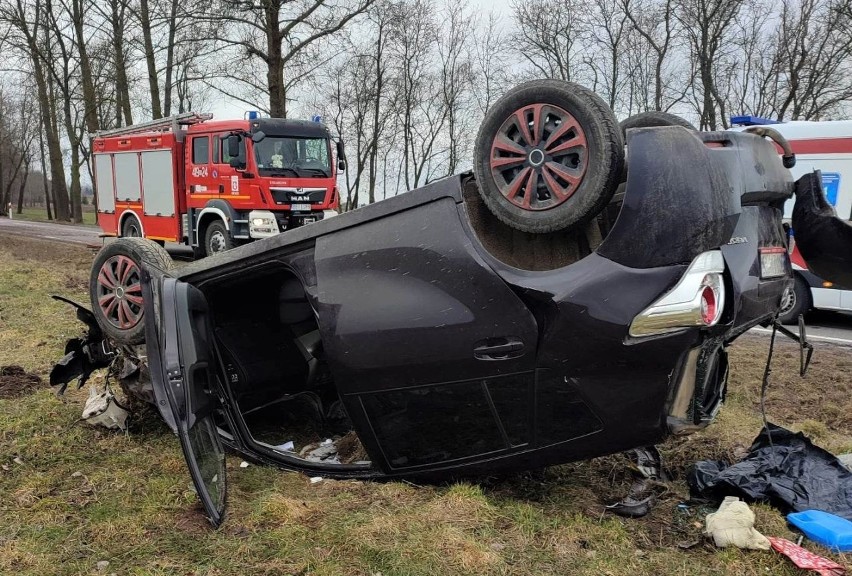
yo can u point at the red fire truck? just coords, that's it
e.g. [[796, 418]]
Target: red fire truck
[[214, 184]]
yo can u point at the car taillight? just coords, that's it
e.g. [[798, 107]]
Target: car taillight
[[697, 300], [708, 306], [773, 262]]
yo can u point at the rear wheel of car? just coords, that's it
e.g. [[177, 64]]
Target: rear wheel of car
[[131, 228], [547, 156], [795, 301], [652, 119], [115, 286], [217, 238]]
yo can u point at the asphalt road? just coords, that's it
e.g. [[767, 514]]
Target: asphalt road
[[73, 233], [86, 235], [822, 326]]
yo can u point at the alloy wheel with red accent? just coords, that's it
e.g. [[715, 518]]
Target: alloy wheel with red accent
[[538, 157], [115, 286], [120, 292], [548, 156]]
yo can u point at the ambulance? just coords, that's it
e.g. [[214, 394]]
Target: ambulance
[[827, 147]]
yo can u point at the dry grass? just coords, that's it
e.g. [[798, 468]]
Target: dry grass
[[132, 504]]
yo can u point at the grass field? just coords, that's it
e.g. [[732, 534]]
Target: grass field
[[72, 495], [39, 214]]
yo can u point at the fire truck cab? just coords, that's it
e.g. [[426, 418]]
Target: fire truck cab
[[214, 184]]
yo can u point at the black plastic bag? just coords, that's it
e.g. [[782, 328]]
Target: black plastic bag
[[789, 473]]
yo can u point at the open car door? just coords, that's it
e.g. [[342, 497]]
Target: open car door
[[180, 357]]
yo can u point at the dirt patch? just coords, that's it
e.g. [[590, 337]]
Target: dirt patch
[[15, 382], [192, 521], [350, 449], [68, 256], [824, 395]]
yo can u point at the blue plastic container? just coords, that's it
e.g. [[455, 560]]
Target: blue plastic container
[[823, 528]]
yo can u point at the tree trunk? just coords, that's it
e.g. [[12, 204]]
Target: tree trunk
[[148, 43], [122, 85], [90, 105], [170, 58], [23, 185], [44, 166], [57, 168], [275, 63], [377, 104]]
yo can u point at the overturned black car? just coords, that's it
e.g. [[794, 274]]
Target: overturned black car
[[540, 310]]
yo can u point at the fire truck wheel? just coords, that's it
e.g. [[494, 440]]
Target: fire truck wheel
[[115, 288], [795, 301], [217, 238], [548, 156], [131, 228]]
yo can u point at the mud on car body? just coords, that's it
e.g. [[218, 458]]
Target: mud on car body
[[429, 338]]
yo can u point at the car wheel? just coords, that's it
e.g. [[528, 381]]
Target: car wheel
[[217, 238], [115, 288], [795, 301], [547, 156], [651, 119], [131, 228]]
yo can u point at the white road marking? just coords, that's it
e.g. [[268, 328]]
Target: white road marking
[[844, 341]]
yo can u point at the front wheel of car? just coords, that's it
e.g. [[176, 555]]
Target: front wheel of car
[[548, 156], [795, 302], [115, 286]]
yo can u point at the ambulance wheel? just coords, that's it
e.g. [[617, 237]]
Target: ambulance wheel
[[115, 286], [131, 228], [217, 238], [548, 156], [795, 302]]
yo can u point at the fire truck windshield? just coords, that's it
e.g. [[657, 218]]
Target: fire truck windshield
[[300, 157]]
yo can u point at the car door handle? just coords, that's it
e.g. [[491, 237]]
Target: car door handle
[[502, 348], [221, 188]]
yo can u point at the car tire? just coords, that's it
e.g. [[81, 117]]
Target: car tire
[[115, 289], [795, 302], [529, 173], [652, 119], [131, 228], [217, 238]]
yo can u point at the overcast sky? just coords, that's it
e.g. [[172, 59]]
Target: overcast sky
[[224, 108]]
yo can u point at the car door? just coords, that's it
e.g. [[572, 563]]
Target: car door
[[432, 353], [181, 362]]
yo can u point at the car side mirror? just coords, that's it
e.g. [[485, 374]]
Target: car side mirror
[[258, 136], [235, 163], [341, 165], [233, 147]]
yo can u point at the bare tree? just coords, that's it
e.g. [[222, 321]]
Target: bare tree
[[29, 20], [491, 75], [275, 32], [545, 34], [654, 22], [707, 25], [607, 28], [816, 58], [456, 76]]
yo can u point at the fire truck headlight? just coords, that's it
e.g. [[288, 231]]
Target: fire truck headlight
[[262, 223]]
